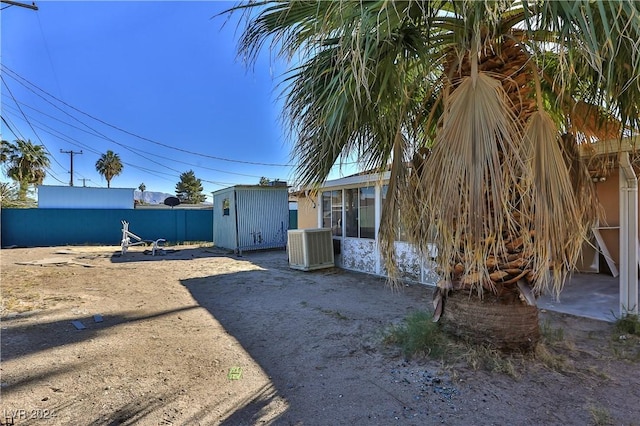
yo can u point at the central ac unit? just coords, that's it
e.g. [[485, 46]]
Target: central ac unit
[[310, 249]]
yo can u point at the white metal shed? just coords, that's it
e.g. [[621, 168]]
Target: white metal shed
[[251, 217]]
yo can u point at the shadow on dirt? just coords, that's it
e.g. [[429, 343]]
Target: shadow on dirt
[[140, 254], [310, 332], [22, 340]]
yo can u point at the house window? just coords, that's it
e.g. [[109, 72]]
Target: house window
[[332, 211], [368, 212], [225, 207], [360, 215], [351, 212]]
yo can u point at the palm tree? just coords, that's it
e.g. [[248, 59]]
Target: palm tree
[[4, 151], [478, 107], [109, 166], [25, 163]]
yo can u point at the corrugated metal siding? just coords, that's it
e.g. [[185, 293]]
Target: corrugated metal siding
[[224, 226], [263, 217]]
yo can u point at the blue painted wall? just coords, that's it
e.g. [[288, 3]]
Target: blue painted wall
[[52, 227]]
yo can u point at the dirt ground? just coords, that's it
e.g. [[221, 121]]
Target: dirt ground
[[201, 337]]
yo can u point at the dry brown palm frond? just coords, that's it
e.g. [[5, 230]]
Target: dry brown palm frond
[[398, 181], [560, 230], [468, 184], [591, 210]]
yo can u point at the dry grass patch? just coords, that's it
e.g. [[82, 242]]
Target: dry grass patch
[[16, 301], [600, 416]]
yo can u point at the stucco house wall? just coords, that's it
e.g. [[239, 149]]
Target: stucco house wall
[[307, 211]]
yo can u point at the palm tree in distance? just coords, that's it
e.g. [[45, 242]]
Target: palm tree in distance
[[479, 108], [109, 166], [142, 187], [25, 163]]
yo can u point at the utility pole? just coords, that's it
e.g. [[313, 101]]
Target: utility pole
[[15, 3], [71, 155], [84, 181]]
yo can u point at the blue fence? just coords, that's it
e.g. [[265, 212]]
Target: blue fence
[[53, 227]]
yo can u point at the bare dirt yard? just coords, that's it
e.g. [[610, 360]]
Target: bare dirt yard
[[202, 337]]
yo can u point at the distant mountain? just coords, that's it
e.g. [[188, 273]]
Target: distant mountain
[[150, 197]]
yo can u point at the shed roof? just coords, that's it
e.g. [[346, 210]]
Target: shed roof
[[259, 187]]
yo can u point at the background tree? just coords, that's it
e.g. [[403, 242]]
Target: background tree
[[25, 163], [189, 189], [478, 108], [264, 181], [109, 166], [142, 187]]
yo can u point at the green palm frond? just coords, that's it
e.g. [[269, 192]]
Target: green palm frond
[[109, 165], [26, 163]]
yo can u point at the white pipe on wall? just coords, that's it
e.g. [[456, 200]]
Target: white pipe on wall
[[628, 236]]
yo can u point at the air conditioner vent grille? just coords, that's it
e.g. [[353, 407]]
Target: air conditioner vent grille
[[310, 249]]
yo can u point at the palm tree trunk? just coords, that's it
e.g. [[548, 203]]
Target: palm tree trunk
[[496, 311], [502, 324], [23, 189]]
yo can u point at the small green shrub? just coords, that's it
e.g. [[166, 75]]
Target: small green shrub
[[419, 335], [628, 324]]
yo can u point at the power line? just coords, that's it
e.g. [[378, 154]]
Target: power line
[[31, 6], [59, 135], [46, 47], [68, 139], [27, 120], [75, 142], [155, 173], [9, 127], [131, 148], [52, 174], [16, 76], [97, 133]]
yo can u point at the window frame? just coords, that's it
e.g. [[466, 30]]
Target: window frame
[[332, 211], [226, 204]]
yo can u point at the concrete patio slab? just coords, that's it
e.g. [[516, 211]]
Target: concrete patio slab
[[594, 296]]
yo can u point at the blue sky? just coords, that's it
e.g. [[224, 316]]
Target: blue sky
[[164, 71]]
